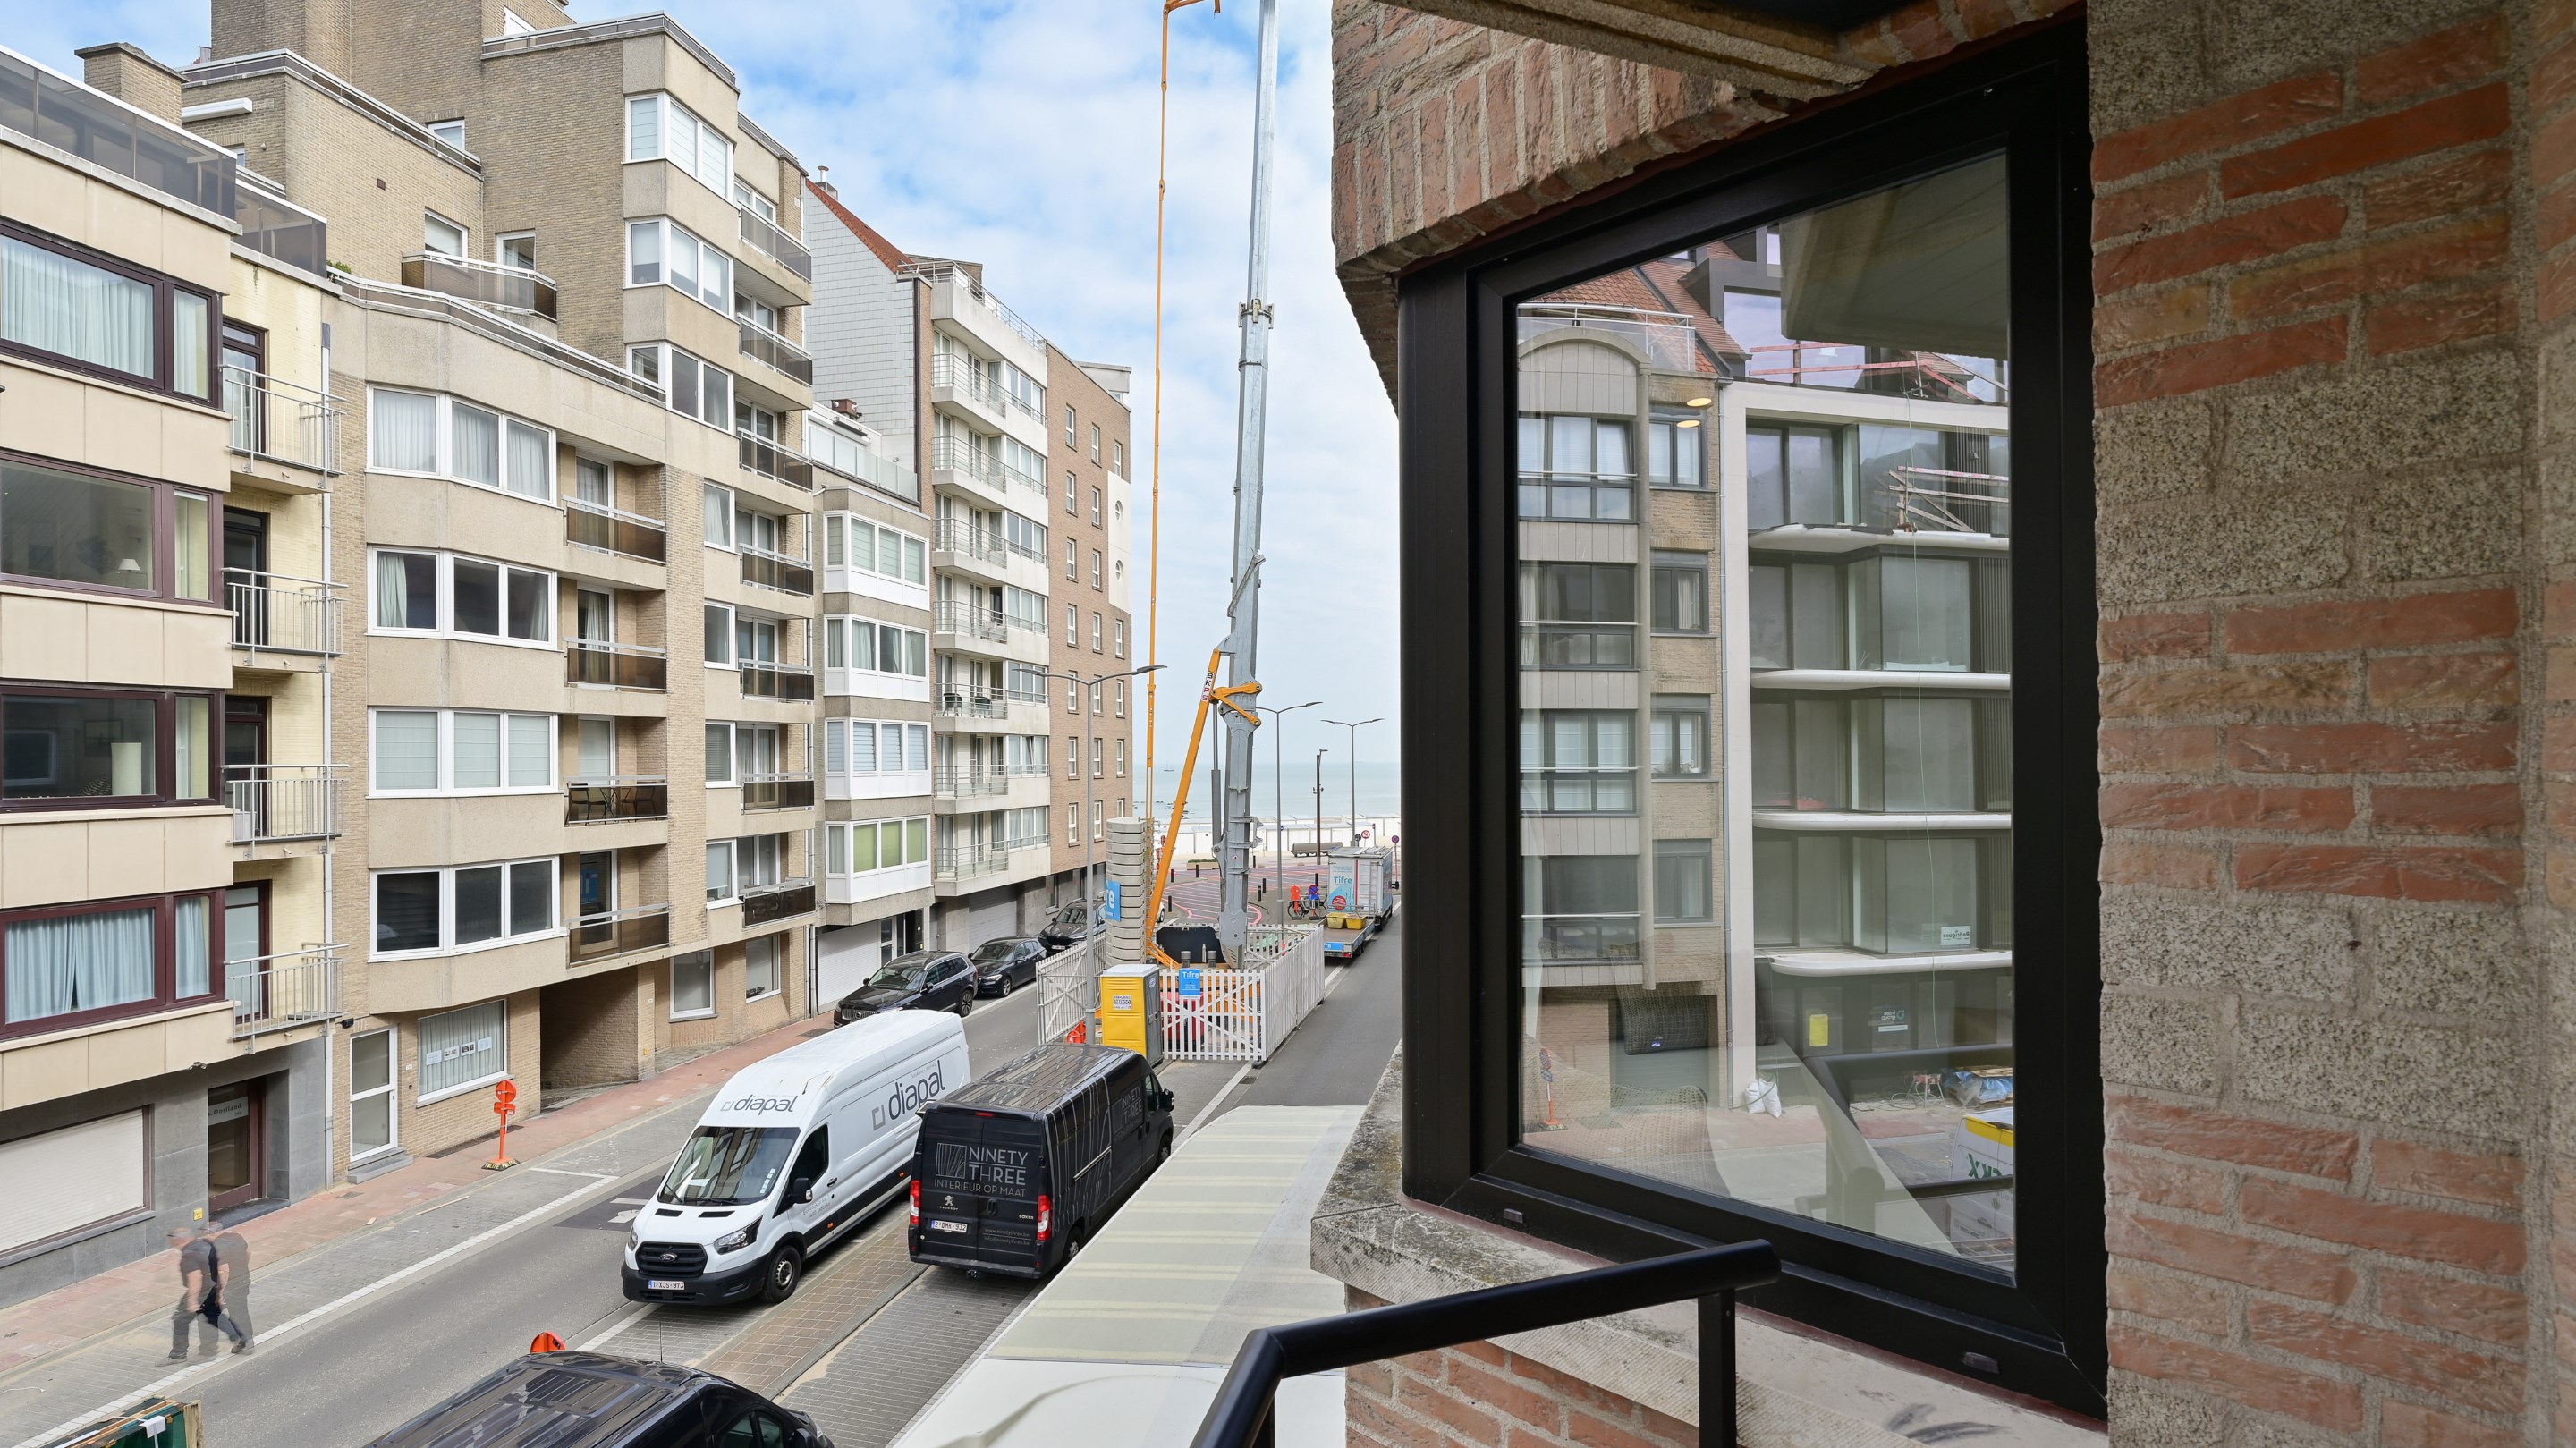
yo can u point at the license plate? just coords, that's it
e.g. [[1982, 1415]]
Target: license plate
[[664, 1284], [939, 1226]]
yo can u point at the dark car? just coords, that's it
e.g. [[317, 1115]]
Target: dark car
[[1004, 965], [1071, 924], [592, 1400], [926, 980]]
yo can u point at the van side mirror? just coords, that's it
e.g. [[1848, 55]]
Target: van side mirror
[[800, 1190]]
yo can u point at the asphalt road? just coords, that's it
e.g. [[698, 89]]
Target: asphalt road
[[1337, 1055]]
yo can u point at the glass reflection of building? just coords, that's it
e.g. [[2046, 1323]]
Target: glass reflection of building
[[1766, 733]]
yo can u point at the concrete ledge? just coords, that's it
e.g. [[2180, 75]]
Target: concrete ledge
[[1798, 1388]]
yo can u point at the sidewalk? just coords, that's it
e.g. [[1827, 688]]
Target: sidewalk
[[62, 1319]]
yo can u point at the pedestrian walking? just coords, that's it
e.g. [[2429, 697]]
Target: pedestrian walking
[[232, 1267], [201, 1294]]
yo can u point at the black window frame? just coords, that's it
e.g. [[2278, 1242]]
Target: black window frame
[[165, 746], [165, 965], [165, 537], [2043, 1329], [165, 331]]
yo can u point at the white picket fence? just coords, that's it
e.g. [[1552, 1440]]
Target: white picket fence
[[1244, 1013]]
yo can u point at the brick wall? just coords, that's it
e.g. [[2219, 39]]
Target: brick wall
[[1480, 1396]]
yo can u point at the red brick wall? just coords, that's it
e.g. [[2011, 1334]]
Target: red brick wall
[[1480, 1396]]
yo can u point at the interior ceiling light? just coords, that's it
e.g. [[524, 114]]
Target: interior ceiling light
[[1699, 402], [1687, 422]]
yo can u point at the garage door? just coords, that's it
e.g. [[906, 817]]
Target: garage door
[[990, 916], [846, 960], [68, 1179]]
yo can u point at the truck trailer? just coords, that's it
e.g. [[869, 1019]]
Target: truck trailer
[[1359, 895]]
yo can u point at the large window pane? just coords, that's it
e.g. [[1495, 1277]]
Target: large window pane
[[54, 304], [406, 749], [532, 897], [62, 964], [478, 597], [477, 749], [407, 911], [67, 747], [463, 1048], [532, 750], [406, 590], [474, 441], [531, 606], [76, 529], [402, 431], [478, 904]]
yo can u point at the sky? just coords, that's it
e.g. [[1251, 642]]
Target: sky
[[1021, 133]]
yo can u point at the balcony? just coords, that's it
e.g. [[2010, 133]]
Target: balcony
[[1668, 339], [273, 613], [282, 421], [975, 702], [960, 458], [765, 680], [70, 117], [966, 297], [777, 353], [777, 791], [485, 283], [777, 902], [273, 803], [966, 620], [964, 543], [274, 992], [765, 569], [279, 229], [968, 862], [617, 797], [617, 932], [596, 525], [959, 376], [763, 236], [615, 666], [1579, 791], [1578, 646], [775, 460], [968, 781]]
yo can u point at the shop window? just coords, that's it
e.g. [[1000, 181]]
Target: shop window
[[460, 1050]]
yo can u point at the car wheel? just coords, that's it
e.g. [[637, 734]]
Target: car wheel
[[1163, 1153], [786, 1267], [965, 1005]]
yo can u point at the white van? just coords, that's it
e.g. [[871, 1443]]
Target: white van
[[793, 1152]]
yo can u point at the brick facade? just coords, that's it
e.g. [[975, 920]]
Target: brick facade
[[1481, 1396]]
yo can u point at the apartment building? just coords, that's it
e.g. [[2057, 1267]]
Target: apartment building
[[576, 694], [169, 948], [1092, 635]]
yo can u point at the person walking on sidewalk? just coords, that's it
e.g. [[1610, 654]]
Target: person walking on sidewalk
[[201, 1293]]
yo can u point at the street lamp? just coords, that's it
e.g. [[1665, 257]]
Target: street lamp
[[1355, 775], [1278, 797], [1319, 801], [1090, 691]]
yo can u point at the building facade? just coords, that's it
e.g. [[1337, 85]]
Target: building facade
[[1093, 633]]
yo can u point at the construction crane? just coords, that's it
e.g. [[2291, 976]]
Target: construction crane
[[1212, 697]]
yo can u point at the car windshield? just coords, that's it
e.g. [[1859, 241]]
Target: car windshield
[[901, 977], [729, 1165], [994, 952], [1070, 917]]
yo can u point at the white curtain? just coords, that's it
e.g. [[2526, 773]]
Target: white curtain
[[477, 439], [55, 304], [405, 432], [393, 589], [476, 750], [195, 953], [79, 963], [188, 343], [530, 456], [406, 749], [532, 748]]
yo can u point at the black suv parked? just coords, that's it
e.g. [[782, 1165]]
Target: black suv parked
[[926, 980], [1004, 964]]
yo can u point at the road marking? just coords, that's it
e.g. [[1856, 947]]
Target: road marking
[[1215, 1101], [163, 1387], [614, 1328], [559, 1171]]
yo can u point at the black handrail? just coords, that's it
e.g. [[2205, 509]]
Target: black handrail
[[1242, 1415]]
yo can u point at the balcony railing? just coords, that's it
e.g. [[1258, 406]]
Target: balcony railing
[[765, 346], [972, 290], [273, 992], [773, 459], [1889, 371], [763, 680], [777, 791], [973, 703], [960, 374], [274, 418], [968, 781], [956, 535], [490, 284], [278, 614], [956, 616], [957, 455], [1578, 646], [617, 797], [278, 228], [763, 236], [777, 902], [966, 862], [1579, 939], [283, 801], [1579, 791], [61, 113], [596, 525], [615, 932], [619, 666], [776, 570]]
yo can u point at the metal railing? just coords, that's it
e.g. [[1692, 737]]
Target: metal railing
[[1898, 372], [764, 236], [283, 615], [420, 302], [967, 285], [620, 666], [956, 616], [62, 113], [777, 791], [1581, 939], [957, 455], [956, 535], [273, 992], [976, 702], [768, 348], [777, 902], [776, 570], [617, 797], [966, 862], [1578, 646], [615, 932], [1668, 339], [283, 801], [773, 459], [968, 781], [596, 525], [1579, 791], [960, 374], [278, 228], [1243, 1414], [487, 283], [764, 680], [274, 418]]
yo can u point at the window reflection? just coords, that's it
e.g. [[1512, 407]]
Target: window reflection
[[1823, 1029]]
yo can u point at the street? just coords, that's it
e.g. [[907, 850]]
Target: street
[[360, 1335]]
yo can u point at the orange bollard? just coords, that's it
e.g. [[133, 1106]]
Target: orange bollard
[[505, 1099]]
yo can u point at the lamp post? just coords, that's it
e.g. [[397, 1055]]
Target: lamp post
[[1278, 764], [1319, 801], [1354, 727], [1090, 690]]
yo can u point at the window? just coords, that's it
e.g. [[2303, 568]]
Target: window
[[1577, 468], [445, 437], [1578, 761], [1072, 561], [693, 985], [1095, 522], [78, 529], [1095, 580], [84, 748], [1073, 696], [452, 132], [1096, 756], [864, 646], [449, 594], [463, 907], [1073, 625], [1578, 616], [1118, 458], [1068, 427], [371, 1093], [513, 23], [1793, 474], [460, 751], [461, 1049], [1119, 692], [440, 235], [1097, 636], [738, 866], [719, 635], [1024, 609], [659, 128], [760, 966], [1095, 457], [694, 388], [1911, 611], [1122, 759], [717, 507], [1118, 638], [1681, 882], [1676, 450], [872, 746], [753, 202], [65, 304], [1069, 503], [1073, 824], [1098, 817], [63, 964], [719, 871], [1072, 754], [659, 253], [850, 541], [1680, 592], [855, 849], [1680, 731]]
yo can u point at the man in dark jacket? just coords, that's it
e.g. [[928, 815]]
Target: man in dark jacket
[[201, 1293]]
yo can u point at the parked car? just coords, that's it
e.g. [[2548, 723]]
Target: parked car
[[1071, 924], [598, 1401], [926, 980], [1014, 1171], [1003, 965]]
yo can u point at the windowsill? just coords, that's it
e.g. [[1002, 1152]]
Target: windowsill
[[1798, 1385], [704, 1015], [477, 948], [519, 792], [548, 501], [453, 1091], [767, 995], [448, 636]]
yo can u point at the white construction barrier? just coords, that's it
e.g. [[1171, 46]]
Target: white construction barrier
[[1244, 1013]]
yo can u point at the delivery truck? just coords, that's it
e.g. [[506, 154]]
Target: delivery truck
[[1359, 895]]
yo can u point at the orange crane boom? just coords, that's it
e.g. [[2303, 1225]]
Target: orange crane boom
[[1210, 697]]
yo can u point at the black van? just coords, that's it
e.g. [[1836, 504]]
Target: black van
[[1016, 1169], [592, 1400]]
